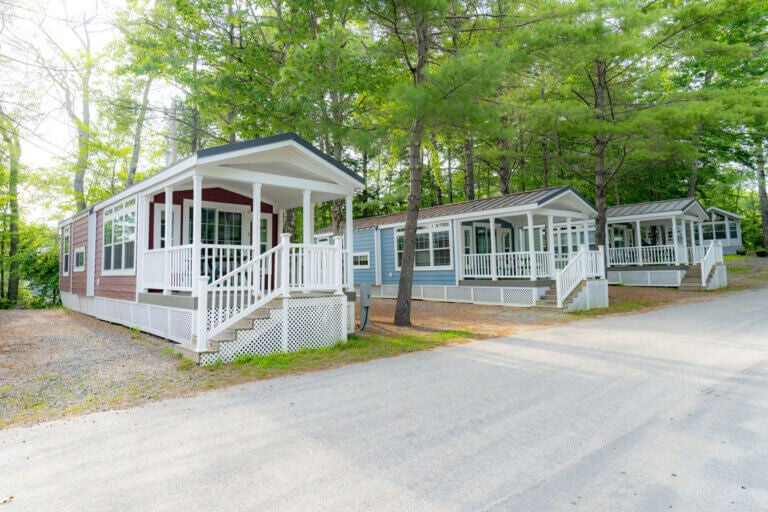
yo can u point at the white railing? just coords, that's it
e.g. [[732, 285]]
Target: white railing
[[585, 264], [168, 269], [623, 256], [512, 264], [237, 293], [313, 267], [707, 262], [218, 260], [696, 254], [596, 263], [658, 255], [568, 279], [542, 264], [283, 269], [477, 265]]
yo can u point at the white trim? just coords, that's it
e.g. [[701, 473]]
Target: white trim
[[377, 254], [75, 266], [429, 228], [159, 210], [106, 218], [226, 207], [66, 251], [358, 266]]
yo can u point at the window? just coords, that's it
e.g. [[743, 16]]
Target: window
[[65, 253], [119, 238], [433, 246], [719, 230], [361, 260], [79, 259], [732, 230], [707, 231], [221, 226]]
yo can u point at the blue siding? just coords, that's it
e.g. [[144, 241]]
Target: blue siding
[[364, 241], [391, 276]]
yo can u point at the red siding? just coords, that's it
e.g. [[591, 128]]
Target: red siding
[[79, 239], [114, 287], [218, 195]]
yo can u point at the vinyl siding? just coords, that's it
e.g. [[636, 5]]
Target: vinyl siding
[[364, 241], [79, 239], [390, 275], [114, 287]]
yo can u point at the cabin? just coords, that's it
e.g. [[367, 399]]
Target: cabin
[[196, 253], [488, 251], [723, 227], [663, 243]]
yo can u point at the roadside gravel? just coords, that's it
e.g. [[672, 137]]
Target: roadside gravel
[[56, 362]]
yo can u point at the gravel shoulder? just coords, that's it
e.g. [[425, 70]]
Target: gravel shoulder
[[56, 363]]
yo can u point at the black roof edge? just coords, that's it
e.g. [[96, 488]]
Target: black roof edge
[[281, 137]]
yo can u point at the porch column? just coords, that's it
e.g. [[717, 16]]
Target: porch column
[[197, 212], [639, 242], [168, 240], [531, 249], [350, 249], [254, 276], [674, 241], [551, 244], [142, 243], [607, 243], [585, 229], [569, 237], [256, 222], [494, 270], [685, 244], [701, 234], [307, 224]]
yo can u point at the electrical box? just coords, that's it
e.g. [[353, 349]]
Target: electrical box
[[365, 295]]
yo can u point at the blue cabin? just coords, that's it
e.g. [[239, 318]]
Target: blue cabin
[[497, 250]]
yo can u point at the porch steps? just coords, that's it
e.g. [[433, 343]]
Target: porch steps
[[691, 281], [549, 301]]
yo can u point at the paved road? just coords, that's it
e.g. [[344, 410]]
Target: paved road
[[660, 411]]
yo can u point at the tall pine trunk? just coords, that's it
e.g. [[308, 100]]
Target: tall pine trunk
[[469, 169], [761, 192], [137, 134], [601, 142], [415, 165], [13, 147]]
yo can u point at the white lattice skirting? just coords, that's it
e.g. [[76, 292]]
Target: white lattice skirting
[[493, 295], [302, 323], [170, 323]]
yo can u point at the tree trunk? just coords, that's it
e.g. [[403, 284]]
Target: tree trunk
[[405, 284], [601, 142], [761, 192], [544, 162], [13, 147], [695, 163], [289, 223], [137, 134], [469, 169], [505, 168], [337, 211]]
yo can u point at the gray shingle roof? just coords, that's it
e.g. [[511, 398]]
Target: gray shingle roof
[[668, 206], [533, 198]]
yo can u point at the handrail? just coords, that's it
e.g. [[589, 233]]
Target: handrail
[[238, 269], [707, 262], [567, 279]]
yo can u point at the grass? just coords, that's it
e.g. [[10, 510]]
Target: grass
[[735, 257], [358, 348], [738, 269], [619, 307]]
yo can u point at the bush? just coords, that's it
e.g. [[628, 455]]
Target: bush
[[741, 252], [761, 252]]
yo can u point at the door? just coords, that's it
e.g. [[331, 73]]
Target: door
[[159, 236]]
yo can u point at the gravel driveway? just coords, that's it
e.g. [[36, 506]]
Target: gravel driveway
[[666, 410], [55, 362]]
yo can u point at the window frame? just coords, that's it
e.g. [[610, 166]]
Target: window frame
[[75, 266], [66, 250], [246, 219], [357, 266], [429, 229], [112, 213]]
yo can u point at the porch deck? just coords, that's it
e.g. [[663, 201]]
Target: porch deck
[[508, 283]]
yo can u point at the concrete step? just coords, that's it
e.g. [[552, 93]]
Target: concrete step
[[189, 351], [547, 304]]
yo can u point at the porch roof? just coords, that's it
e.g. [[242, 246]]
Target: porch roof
[[284, 160], [515, 203], [724, 213], [657, 210]]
